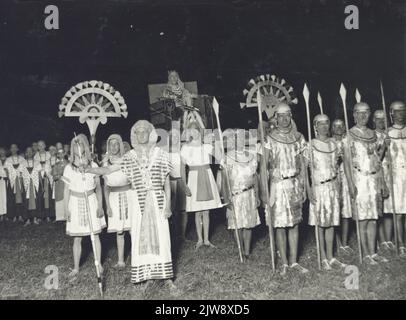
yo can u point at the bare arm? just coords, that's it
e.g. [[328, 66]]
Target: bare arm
[[263, 175], [167, 190], [305, 167], [184, 179], [348, 172], [107, 197], [99, 197], [66, 195], [101, 171]]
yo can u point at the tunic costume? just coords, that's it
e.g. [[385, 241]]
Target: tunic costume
[[46, 209], [200, 179], [4, 187], [58, 189], [366, 172], [16, 166], [397, 151], [151, 244], [31, 177], [243, 180], [120, 195], [345, 198], [287, 192], [325, 183], [78, 225]]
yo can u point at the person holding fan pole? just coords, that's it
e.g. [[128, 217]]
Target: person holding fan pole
[[83, 204]]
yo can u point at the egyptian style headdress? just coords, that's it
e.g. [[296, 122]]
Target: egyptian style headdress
[[84, 143], [120, 141], [153, 137]]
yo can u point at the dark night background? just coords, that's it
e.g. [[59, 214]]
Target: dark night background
[[219, 43]]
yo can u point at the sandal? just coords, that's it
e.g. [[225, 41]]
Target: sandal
[[198, 245], [384, 246], [325, 265], [119, 265], [299, 268], [284, 269], [73, 273], [378, 258], [335, 262], [368, 259], [209, 244]]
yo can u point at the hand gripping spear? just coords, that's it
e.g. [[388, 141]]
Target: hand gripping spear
[[309, 132], [266, 186], [237, 235], [89, 218], [343, 94], [392, 191]]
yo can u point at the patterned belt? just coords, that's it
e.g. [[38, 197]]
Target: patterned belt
[[289, 177], [81, 194], [120, 188], [366, 173], [241, 191], [328, 180]]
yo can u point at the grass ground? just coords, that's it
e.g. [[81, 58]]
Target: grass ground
[[206, 274]]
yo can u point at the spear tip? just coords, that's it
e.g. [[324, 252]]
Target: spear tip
[[320, 100], [357, 96], [343, 91], [306, 92], [215, 105]]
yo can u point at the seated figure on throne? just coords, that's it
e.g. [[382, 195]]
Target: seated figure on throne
[[175, 89]]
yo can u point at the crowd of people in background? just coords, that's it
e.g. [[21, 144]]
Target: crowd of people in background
[[31, 188]]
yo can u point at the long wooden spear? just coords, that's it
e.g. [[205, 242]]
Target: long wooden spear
[[390, 165], [89, 218], [343, 94], [266, 186], [309, 132], [227, 177]]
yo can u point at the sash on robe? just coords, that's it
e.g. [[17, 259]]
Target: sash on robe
[[203, 182], [149, 238]]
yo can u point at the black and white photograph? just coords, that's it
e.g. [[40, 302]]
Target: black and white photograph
[[220, 151]]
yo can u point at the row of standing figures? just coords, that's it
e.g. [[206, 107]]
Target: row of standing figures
[[344, 176]]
